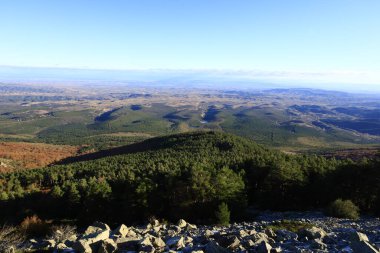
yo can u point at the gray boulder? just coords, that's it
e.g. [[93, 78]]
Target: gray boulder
[[82, 246], [176, 242], [360, 244], [318, 244], [107, 246], [158, 243], [285, 235], [212, 247], [181, 223], [313, 233], [121, 230], [264, 247], [96, 227]]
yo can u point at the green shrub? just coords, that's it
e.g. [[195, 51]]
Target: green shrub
[[223, 214], [343, 209]]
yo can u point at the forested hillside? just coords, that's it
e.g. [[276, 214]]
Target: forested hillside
[[185, 176]]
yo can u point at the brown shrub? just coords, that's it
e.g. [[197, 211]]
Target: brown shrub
[[33, 226]]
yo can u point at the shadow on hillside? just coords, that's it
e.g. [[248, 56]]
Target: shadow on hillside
[[151, 144]]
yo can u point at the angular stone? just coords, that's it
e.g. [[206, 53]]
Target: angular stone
[[313, 233], [243, 233], [270, 233], [61, 246], [176, 242], [318, 244], [155, 223], [101, 225], [128, 243], [363, 247], [212, 247], [285, 235], [107, 246], [121, 230], [82, 246], [158, 242], [190, 226], [257, 238], [264, 247], [208, 233], [97, 236], [181, 223], [357, 236]]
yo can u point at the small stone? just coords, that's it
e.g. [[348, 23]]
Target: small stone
[[121, 230], [264, 247], [107, 246], [181, 223]]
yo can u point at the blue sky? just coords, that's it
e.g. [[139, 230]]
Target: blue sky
[[339, 38]]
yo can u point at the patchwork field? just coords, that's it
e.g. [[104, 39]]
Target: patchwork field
[[92, 119]]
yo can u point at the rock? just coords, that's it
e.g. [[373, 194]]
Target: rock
[[212, 247], [146, 245], [128, 243], [121, 230], [96, 227], [208, 233], [158, 242], [101, 225], [145, 241], [229, 241], [61, 246], [270, 233], [263, 247], [285, 235], [190, 226], [97, 236], [131, 233], [313, 233], [257, 238], [89, 241], [188, 239], [181, 223], [357, 236], [276, 250], [318, 244], [48, 243], [243, 233], [359, 243], [155, 223], [107, 246], [82, 246], [176, 242], [363, 247]]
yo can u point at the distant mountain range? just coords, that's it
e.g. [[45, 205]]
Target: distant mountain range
[[224, 79]]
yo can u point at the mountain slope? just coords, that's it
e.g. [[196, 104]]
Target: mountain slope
[[185, 175]]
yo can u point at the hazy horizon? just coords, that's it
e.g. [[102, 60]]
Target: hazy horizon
[[318, 44], [239, 79]]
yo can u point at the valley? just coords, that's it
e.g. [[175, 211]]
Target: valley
[[95, 117]]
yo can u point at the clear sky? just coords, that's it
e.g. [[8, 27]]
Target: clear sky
[[314, 36]]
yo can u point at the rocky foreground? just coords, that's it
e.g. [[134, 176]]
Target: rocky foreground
[[268, 234]]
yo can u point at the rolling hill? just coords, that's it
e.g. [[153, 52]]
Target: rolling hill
[[185, 175]]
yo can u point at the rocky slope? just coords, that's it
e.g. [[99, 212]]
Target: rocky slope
[[270, 233]]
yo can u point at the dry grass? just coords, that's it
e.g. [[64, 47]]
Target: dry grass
[[34, 155], [10, 237]]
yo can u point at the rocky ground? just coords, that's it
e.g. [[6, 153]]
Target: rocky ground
[[271, 232]]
